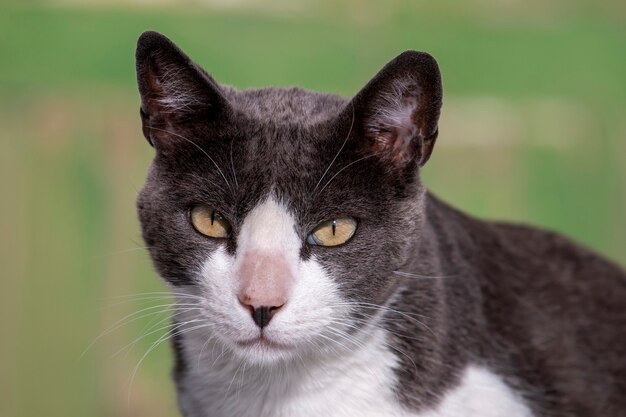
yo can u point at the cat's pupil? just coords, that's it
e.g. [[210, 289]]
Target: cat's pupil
[[334, 226]]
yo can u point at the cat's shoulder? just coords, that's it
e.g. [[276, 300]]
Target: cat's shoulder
[[525, 248]]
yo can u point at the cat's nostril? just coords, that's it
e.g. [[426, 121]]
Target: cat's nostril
[[262, 309], [263, 314]]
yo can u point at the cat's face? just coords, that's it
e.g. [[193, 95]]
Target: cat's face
[[283, 213]]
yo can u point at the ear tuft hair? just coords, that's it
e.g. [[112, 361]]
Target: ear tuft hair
[[391, 124]]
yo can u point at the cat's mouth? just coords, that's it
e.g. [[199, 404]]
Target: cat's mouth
[[263, 341]]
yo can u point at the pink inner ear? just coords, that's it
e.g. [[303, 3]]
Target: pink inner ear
[[392, 126]]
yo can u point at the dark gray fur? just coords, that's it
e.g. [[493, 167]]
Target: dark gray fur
[[542, 311]]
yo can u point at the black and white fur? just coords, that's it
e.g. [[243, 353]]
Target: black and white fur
[[425, 312]]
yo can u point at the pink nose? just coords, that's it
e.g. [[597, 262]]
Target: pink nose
[[264, 280]]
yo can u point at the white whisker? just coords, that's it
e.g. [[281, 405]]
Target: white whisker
[[200, 149], [137, 315], [171, 333], [232, 165], [418, 276], [120, 252], [338, 152], [151, 331], [345, 167]]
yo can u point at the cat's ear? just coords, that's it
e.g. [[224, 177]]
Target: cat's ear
[[173, 89], [396, 114]]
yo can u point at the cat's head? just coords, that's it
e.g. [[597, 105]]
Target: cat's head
[[285, 211]]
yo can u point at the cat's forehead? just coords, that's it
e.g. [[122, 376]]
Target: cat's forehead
[[285, 106]]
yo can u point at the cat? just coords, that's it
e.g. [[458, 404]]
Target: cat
[[314, 275]]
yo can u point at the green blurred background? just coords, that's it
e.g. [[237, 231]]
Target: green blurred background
[[533, 130]]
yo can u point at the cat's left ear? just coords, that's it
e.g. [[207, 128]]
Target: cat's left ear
[[396, 114], [173, 89]]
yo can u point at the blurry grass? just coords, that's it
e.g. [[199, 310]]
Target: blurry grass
[[582, 57], [532, 130]]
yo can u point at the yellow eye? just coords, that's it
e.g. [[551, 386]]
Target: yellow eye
[[209, 222], [333, 232]]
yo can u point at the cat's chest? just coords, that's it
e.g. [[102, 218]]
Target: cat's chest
[[361, 386]]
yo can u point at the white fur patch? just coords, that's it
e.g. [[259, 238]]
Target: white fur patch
[[481, 393], [269, 227], [335, 385]]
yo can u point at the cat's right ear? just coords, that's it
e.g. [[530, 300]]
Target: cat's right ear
[[396, 114], [173, 89]]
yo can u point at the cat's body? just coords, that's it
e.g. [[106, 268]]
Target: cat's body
[[421, 312]]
